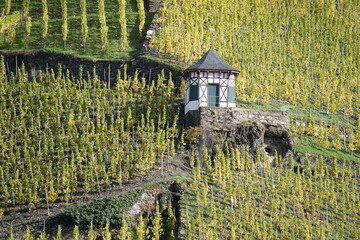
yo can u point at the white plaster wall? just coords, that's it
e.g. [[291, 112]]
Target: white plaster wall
[[223, 104], [192, 105], [203, 104], [231, 104]]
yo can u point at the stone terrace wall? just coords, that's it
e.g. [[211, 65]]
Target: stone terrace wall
[[218, 118]]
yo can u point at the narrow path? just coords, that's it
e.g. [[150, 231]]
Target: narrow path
[[37, 218]]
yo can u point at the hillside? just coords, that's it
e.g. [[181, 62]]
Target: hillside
[[81, 42], [301, 51], [237, 199], [89, 152]]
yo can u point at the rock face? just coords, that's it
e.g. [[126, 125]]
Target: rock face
[[250, 133], [144, 206], [279, 139], [263, 129], [160, 194]]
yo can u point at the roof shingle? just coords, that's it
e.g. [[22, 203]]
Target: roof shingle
[[212, 61]]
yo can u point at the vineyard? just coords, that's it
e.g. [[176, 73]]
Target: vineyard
[[234, 197], [110, 29], [64, 139], [62, 136], [302, 51]]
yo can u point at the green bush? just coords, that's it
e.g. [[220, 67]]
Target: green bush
[[192, 135], [98, 211]]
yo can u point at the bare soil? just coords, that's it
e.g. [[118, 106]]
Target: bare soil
[[21, 217]]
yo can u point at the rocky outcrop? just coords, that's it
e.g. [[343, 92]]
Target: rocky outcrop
[[250, 133], [160, 194], [144, 207], [279, 139]]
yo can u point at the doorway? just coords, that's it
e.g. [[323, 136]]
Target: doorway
[[213, 95]]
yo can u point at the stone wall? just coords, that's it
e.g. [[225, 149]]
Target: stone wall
[[220, 118], [154, 5]]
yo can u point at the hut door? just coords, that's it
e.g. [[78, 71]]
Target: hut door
[[213, 95]]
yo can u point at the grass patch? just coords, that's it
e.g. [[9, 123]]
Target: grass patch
[[308, 145], [54, 40], [176, 65], [297, 113]]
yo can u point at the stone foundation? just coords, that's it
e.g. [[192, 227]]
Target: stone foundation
[[217, 118]]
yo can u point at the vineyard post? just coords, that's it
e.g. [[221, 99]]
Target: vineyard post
[[104, 74], [162, 164], [16, 66], [109, 76]]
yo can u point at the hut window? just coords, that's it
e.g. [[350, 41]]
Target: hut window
[[216, 74], [211, 74], [203, 74], [225, 75], [194, 74], [231, 94], [194, 92]]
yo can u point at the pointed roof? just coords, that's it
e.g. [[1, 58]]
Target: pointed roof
[[212, 61]]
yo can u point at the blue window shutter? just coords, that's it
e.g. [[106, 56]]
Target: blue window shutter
[[194, 92], [231, 94]]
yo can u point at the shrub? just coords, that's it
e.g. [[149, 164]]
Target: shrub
[[100, 210], [192, 135]]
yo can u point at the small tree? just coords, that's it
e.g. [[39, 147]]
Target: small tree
[[103, 27], [28, 235], [11, 35], [156, 228], [25, 5], [75, 233], [141, 229], [27, 31], [124, 231], [84, 26], [124, 43], [7, 7], [58, 234], [106, 235], [45, 19], [65, 22], [141, 11]]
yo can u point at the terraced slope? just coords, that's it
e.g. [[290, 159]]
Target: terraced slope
[[54, 41]]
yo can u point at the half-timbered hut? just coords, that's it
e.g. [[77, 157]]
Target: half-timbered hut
[[210, 83]]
